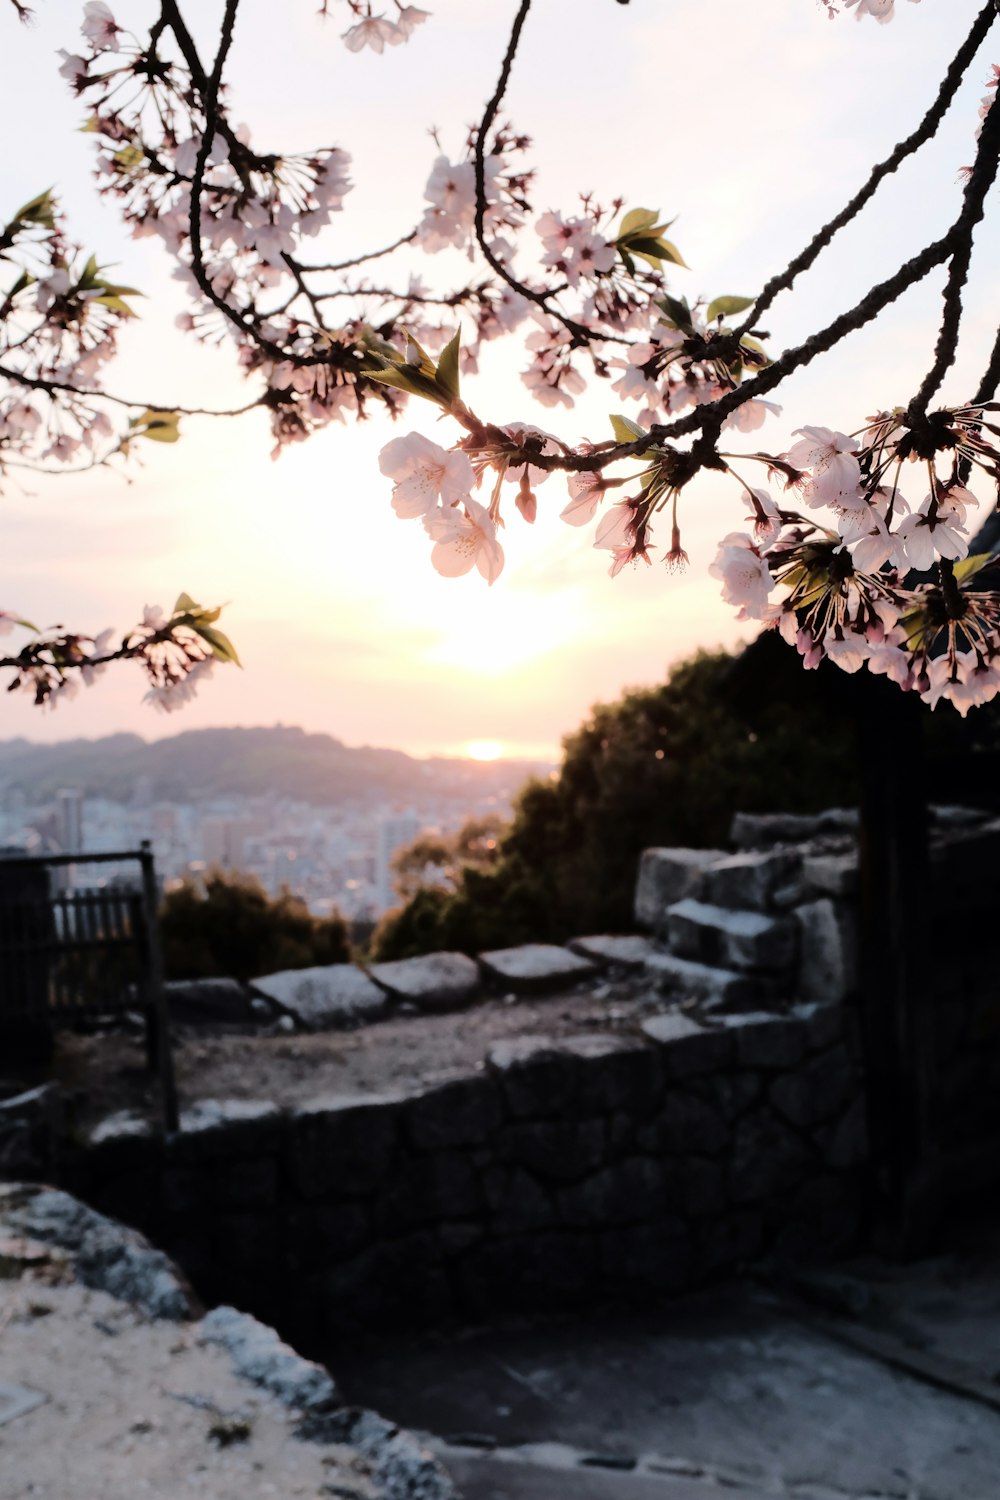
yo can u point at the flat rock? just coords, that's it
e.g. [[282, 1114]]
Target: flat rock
[[196, 1002], [435, 981], [688, 1047], [714, 986], [749, 882], [735, 939], [536, 966], [326, 998], [259, 1355], [668, 875], [629, 950]]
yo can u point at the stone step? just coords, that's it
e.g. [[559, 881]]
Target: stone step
[[666, 876], [718, 989], [719, 935], [753, 882], [533, 968]]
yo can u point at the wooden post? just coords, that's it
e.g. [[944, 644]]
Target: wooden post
[[158, 1016], [896, 947]]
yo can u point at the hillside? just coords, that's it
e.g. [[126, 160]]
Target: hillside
[[280, 761]]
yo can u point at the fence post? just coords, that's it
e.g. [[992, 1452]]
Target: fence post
[[157, 993], [895, 961]]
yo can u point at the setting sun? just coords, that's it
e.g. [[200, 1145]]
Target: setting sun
[[484, 749]]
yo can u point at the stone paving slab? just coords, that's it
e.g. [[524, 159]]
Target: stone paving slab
[[324, 998], [436, 981], [742, 1399], [628, 950], [535, 967]]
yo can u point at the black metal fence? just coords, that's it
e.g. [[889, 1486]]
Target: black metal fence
[[70, 952]]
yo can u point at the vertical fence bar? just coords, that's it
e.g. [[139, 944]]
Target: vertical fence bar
[[157, 997]]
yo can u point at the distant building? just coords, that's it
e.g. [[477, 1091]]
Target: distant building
[[69, 820], [391, 833]]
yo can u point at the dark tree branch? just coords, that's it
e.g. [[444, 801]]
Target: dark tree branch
[[980, 181], [924, 132]]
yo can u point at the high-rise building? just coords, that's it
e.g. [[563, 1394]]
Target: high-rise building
[[391, 833], [69, 820]]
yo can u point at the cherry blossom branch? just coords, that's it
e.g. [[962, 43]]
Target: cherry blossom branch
[[924, 132], [579, 331], [49, 386], [980, 181]]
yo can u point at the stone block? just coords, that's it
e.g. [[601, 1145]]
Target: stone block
[[666, 876], [688, 1124], [657, 1257], [764, 830], [433, 982], [748, 882], [768, 1159], [537, 1076], [439, 1186], [626, 1193], [722, 989], [245, 1184], [824, 1023], [620, 1075], [687, 1047], [317, 1235], [340, 1145], [259, 1355], [219, 1129], [517, 1202], [734, 1094], [395, 1284], [325, 998], [461, 1113], [247, 1243], [534, 968], [733, 939], [818, 1090], [827, 963], [698, 1187], [557, 1150], [527, 1273], [831, 874], [627, 950], [201, 1002], [730, 1242], [768, 1041], [847, 1144]]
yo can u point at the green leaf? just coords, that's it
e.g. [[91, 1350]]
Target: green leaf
[[220, 645], [446, 374], [637, 219], [161, 426], [625, 430], [40, 210], [185, 605], [724, 307], [677, 311], [116, 304], [629, 263], [970, 566]]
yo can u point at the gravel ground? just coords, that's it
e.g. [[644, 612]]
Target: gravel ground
[[137, 1408], [108, 1073]]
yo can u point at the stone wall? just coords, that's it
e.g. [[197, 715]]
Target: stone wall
[[558, 1173]]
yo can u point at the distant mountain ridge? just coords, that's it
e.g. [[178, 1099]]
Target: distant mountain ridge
[[283, 761]]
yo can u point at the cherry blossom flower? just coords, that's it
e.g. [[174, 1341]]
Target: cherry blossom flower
[[880, 10], [373, 32], [746, 577], [409, 18], [424, 474], [99, 27], [464, 538], [587, 492], [829, 455]]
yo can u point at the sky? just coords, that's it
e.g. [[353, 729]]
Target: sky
[[750, 120]]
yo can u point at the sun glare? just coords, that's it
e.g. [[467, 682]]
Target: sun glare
[[484, 749]]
